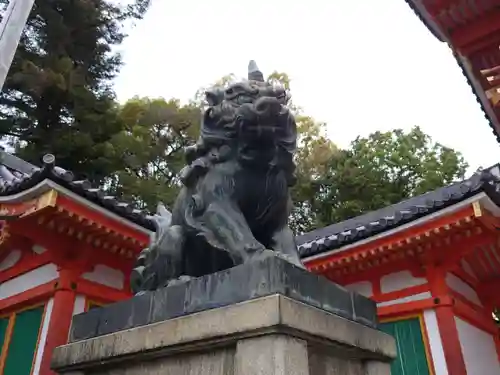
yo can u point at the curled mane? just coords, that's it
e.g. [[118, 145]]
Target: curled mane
[[221, 133], [235, 202]]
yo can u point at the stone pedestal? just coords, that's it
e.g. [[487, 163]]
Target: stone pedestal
[[265, 318]]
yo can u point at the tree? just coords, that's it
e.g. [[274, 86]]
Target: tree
[[379, 170], [314, 150], [333, 184], [152, 145], [158, 130], [58, 96]]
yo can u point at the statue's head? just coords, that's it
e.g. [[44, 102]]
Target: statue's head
[[251, 110]]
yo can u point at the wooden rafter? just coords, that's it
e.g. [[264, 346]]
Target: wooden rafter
[[405, 240], [482, 27], [98, 219]]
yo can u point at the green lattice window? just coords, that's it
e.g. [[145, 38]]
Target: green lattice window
[[22, 340], [412, 357]]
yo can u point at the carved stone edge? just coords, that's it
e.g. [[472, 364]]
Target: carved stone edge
[[223, 326]]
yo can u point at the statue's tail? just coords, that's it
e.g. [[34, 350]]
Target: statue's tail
[[141, 275]]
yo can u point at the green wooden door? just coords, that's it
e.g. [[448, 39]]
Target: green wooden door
[[412, 359], [23, 342]]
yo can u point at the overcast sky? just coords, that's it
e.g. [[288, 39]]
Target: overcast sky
[[358, 65]]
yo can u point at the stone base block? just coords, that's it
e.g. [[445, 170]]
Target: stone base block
[[270, 335], [238, 284]]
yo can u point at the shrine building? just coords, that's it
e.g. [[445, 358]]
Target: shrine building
[[432, 264], [65, 247], [472, 31]]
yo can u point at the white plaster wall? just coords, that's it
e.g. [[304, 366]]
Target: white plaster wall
[[364, 288], [10, 260], [399, 280], [29, 280], [106, 276], [43, 336], [79, 306], [461, 287], [415, 297], [478, 349], [435, 343]]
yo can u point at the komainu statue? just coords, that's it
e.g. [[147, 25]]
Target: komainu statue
[[235, 202]]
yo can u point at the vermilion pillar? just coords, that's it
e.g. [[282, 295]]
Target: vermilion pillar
[[60, 319], [446, 323]]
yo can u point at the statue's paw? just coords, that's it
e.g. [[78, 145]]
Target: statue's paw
[[180, 280]]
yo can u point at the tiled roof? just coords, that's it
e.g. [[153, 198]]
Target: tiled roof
[[420, 11], [361, 227], [17, 175]]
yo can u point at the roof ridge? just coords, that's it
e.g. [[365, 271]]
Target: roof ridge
[[373, 222], [17, 175]]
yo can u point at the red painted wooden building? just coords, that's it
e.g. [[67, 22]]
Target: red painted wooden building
[[64, 247], [431, 263], [472, 30]]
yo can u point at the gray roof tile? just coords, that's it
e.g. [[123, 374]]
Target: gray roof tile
[[364, 226], [17, 175]]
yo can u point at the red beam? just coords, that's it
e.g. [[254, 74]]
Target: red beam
[[437, 6], [30, 297], [405, 308], [473, 315], [417, 230], [112, 224], [481, 46], [410, 291], [459, 272], [99, 292], [474, 32], [26, 263], [465, 247], [370, 274], [60, 245]]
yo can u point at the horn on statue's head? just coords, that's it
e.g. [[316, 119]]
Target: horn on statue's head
[[254, 74]]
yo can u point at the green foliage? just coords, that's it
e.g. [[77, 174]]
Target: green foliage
[[314, 151], [151, 146], [332, 184], [379, 170], [58, 96]]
